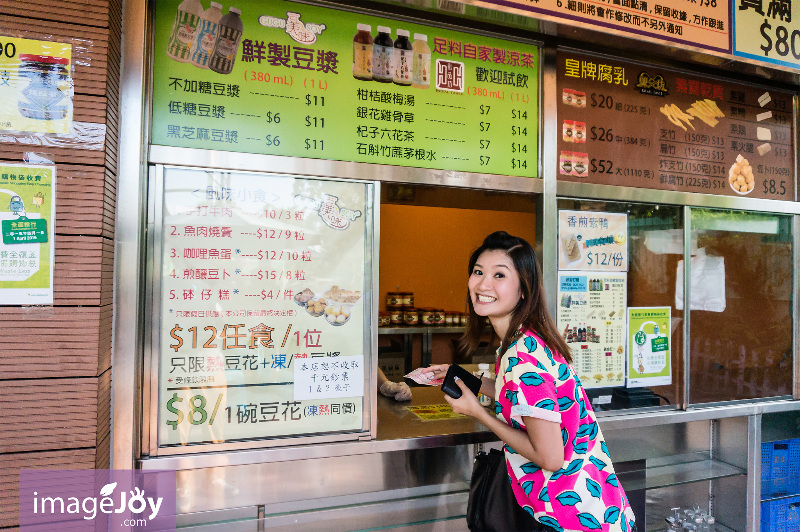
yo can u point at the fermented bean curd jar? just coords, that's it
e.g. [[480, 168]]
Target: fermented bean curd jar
[[428, 316], [406, 299], [568, 131], [383, 319], [382, 56], [411, 316], [362, 53], [396, 316], [565, 163], [438, 316], [393, 300]]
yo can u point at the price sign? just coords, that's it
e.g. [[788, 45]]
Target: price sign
[[630, 124], [767, 31], [263, 282], [592, 241], [303, 84]]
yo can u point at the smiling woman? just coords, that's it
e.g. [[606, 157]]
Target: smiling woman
[[556, 457]]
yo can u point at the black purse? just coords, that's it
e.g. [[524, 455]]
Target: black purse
[[492, 506]]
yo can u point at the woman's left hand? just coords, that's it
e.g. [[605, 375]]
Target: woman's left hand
[[466, 404]]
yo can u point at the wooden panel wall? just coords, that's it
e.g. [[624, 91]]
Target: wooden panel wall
[[55, 361]]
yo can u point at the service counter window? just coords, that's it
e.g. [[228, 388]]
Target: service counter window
[[427, 236], [617, 274], [741, 306]]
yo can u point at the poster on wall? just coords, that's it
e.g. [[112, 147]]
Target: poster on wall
[[591, 316], [767, 31], [704, 24], [636, 125], [649, 355], [36, 86], [297, 80], [263, 305], [592, 241], [27, 218]]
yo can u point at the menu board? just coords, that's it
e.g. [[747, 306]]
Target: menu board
[[263, 284], [591, 316], [629, 124], [704, 24], [290, 79], [592, 241]]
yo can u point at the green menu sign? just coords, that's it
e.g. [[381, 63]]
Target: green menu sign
[[290, 79]]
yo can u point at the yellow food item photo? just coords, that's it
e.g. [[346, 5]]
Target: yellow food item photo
[[740, 176]]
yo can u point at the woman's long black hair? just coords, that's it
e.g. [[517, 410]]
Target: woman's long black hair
[[531, 310]]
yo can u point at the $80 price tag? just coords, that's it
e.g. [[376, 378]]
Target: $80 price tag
[[777, 40]]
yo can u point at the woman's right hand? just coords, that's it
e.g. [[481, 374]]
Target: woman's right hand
[[438, 370]]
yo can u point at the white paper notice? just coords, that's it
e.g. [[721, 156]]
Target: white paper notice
[[328, 377]]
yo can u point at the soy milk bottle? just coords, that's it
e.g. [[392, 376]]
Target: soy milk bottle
[[230, 33], [206, 35], [184, 30]]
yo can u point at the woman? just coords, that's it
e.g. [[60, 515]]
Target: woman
[[560, 469]]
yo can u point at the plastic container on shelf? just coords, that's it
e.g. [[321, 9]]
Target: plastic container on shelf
[[780, 515], [780, 468]]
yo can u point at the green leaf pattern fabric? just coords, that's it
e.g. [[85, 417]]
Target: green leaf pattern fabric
[[584, 494]]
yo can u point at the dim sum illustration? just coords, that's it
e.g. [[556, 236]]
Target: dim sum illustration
[[16, 206]]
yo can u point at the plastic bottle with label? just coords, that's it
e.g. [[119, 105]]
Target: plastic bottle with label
[[382, 55], [206, 35], [362, 53], [184, 30], [230, 33], [483, 371], [421, 65], [401, 74]]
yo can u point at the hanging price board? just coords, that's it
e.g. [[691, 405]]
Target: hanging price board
[[767, 31]]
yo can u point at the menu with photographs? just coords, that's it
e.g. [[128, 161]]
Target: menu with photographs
[[630, 124], [263, 306], [592, 241], [591, 316], [292, 79]]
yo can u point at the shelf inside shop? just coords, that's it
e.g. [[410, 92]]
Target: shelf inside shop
[[421, 330], [718, 527], [779, 497], [662, 473]]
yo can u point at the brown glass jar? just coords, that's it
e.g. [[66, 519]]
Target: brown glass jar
[[393, 300], [406, 299], [396, 316], [383, 319], [411, 316], [428, 316], [438, 316]]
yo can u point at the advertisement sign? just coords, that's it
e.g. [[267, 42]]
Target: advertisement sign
[[36, 85], [27, 219], [591, 316], [767, 31], [592, 241], [704, 24], [290, 79], [636, 125], [264, 318], [649, 358]]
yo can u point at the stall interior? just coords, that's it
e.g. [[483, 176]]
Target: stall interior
[[427, 236]]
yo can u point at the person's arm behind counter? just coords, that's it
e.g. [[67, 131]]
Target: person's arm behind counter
[[399, 391]]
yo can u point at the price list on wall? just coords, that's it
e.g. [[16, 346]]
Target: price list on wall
[[307, 81], [262, 306], [629, 124]]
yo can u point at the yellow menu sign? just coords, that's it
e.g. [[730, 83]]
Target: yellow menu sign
[[36, 86]]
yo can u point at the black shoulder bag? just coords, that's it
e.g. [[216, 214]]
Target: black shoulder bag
[[492, 506]]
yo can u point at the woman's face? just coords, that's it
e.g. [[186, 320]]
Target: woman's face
[[494, 286]]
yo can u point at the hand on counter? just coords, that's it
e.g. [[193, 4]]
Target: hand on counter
[[400, 391]]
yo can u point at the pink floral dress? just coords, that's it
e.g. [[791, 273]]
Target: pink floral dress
[[584, 494]]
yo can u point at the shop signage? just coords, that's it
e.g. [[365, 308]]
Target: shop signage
[[263, 285], [649, 355], [27, 216], [592, 241], [767, 31], [703, 24], [637, 125], [35, 86], [591, 316], [306, 81]]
